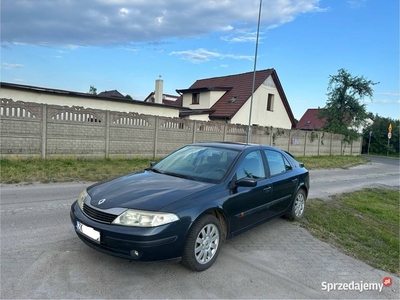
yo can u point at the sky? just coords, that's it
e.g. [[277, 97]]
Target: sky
[[126, 45]]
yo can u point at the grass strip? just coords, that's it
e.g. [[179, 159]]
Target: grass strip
[[332, 161], [363, 224], [67, 170]]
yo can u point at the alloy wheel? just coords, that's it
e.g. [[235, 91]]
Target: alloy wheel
[[207, 243], [299, 205]]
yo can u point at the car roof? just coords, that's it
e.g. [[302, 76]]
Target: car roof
[[232, 145]]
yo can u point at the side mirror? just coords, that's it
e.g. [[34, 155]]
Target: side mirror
[[246, 182], [152, 164]]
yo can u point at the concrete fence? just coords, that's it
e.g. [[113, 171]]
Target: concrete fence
[[33, 130]]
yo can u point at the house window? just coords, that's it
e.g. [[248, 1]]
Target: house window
[[270, 103], [195, 98]]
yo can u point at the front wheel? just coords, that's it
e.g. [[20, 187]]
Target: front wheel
[[203, 244], [298, 207]]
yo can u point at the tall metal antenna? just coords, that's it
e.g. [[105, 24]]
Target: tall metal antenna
[[254, 74]]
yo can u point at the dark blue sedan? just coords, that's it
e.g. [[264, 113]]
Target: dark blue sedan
[[190, 202]]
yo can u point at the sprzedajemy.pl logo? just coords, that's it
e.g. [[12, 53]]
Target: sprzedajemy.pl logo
[[356, 286]]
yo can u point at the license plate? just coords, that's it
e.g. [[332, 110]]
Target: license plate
[[88, 231]]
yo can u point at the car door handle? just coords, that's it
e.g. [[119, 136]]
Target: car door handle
[[294, 180], [267, 189]]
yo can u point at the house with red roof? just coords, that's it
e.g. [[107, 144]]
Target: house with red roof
[[114, 94], [167, 99], [228, 99], [310, 120]]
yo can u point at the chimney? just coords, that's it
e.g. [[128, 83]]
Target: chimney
[[158, 93]]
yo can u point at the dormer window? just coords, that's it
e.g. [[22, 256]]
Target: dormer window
[[195, 98]]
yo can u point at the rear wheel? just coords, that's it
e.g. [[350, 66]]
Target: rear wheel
[[203, 244], [298, 207]]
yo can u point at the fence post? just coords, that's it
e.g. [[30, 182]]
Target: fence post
[[330, 146], [319, 142], [224, 138], [351, 148], [156, 125], [108, 119], [194, 131], [342, 146], [44, 131], [271, 137], [290, 137], [305, 143]]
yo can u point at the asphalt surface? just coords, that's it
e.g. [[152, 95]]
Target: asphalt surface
[[42, 258]]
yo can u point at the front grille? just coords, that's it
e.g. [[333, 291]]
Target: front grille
[[97, 214]]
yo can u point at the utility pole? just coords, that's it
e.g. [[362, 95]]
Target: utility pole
[[254, 74]]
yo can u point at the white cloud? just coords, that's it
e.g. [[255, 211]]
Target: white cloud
[[202, 55], [8, 66], [385, 98], [242, 37], [382, 101], [356, 3], [123, 12], [120, 22], [394, 94]]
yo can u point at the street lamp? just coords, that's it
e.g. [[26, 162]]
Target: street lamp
[[254, 74]]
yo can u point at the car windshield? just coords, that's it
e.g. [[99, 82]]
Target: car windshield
[[198, 163]]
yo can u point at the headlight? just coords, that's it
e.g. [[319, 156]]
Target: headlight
[[82, 197], [139, 218]]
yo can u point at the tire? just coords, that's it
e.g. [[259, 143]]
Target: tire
[[298, 206], [202, 244]]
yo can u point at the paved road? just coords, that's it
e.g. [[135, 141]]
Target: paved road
[[41, 257]]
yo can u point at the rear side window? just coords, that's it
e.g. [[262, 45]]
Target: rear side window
[[277, 162]]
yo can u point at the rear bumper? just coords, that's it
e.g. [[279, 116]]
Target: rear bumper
[[134, 243]]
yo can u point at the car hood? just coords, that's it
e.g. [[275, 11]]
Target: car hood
[[144, 191]]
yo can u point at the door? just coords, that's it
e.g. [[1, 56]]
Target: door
[[247, 206], [283, 182]]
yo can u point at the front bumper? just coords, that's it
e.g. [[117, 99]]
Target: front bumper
[[134, 243]]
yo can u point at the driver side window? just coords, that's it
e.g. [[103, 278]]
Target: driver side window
[[251, 167]]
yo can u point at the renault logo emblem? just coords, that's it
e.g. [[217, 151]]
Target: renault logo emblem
[[101, 201]]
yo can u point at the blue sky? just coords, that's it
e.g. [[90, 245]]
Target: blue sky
[[127, 44]]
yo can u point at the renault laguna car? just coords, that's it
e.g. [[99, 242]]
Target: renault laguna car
[[189, 203]]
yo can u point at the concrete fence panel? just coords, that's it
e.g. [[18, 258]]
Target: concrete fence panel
[[131, 135], [33, 130]]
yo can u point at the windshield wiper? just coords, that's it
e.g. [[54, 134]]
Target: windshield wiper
[[170, 173], [178, 175], [155, 170]]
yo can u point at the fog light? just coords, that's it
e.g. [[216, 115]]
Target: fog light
[[135, 254]]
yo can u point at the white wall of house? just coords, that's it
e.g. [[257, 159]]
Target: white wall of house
[[203, 117], [33, 96], [277, 118], [207, 99], [360, 128]]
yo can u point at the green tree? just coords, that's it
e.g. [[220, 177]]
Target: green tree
[[379, 137], [92, 90], [127, 96], [344, 112]]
